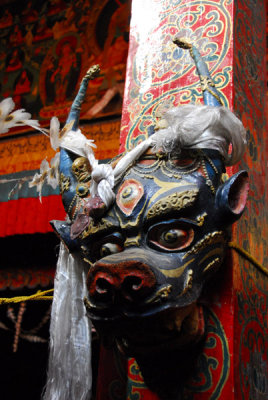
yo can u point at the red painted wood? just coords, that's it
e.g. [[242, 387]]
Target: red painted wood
[[159, 74], [26, 216]]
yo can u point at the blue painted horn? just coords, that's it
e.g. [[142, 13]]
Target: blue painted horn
[[71, 187], [210, 93], [68, 180]]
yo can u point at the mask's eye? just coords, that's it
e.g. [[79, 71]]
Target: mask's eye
[[109, 248], [172, 236], [111, 244]]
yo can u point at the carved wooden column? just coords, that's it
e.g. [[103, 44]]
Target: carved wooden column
[[230, 35]]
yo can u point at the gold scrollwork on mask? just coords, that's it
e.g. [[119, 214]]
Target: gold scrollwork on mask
[[175, 201], [162, 293], [133, 241], [176, 272], [94, 227], [213, 264], [217, 251], [211, 238], [201, 219], [188, 284], [64, 183], [130, 224], [90, 306]]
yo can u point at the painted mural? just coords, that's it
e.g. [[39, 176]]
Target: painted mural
[[46, 47]]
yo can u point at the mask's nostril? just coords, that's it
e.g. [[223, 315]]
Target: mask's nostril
[[103, 286], [132, 284], [118, 283]]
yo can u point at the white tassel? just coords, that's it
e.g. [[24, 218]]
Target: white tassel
[[69, 371]]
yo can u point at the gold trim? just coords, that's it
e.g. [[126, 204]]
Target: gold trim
[[217, 251], [90, 305], [133, 223], [84, 187], [93, 227], [212, 264], [215, 95], [170, 174], [201, 219], [206, 84], [146, 171], [209, 182], [144, 176], [72, 204], [135, 241], [65, 183], [186, 170], [165, 185], [211, 163], [66, 128], [211, 238], [175, 201], [92, 72], [162, 293], [189, 283], [175, 273]]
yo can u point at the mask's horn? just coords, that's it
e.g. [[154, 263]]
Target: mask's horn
[[68, 181], [210, 93], [74, 113]]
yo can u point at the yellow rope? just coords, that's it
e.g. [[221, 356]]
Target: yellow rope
[[41, 295], [248, 256], [37, 296]]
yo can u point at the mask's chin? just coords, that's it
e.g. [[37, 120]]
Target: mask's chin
[[169, 329]]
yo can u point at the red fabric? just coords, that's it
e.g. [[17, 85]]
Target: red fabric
[[26, 216]]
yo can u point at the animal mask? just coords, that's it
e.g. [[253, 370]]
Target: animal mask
[[152, 225]]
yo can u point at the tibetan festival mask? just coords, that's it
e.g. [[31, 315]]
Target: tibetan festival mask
[[152, 224]]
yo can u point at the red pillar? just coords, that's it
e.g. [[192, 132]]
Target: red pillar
[[230, 35]]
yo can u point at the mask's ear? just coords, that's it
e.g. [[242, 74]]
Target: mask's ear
[[63, 231], [231, 197]]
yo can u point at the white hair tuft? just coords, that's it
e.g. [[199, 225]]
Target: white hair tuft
[[202, 127]]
